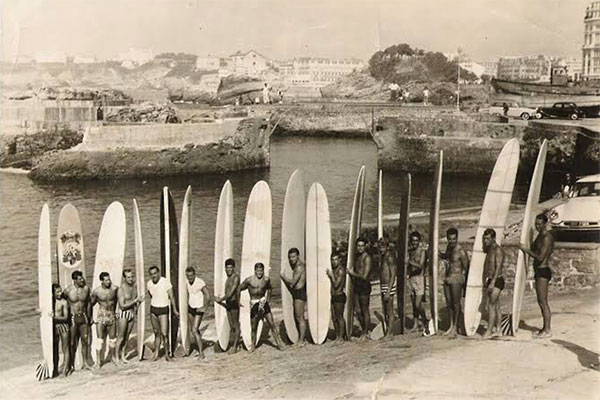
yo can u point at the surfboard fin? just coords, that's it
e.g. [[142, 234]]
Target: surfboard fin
[[42, 372], [507, 326]]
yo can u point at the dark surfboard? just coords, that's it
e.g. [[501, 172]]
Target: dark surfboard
[[169, 256], [403, 248]]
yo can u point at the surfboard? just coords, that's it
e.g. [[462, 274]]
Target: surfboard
[[139, 279], [379, 236], [169, 256], [493, 215], [292, 235], [184, 262], [69, 244], [531, 209], [353, 234], [45, 295], [223, 251], [405, 185], [318, 261], [256, 247], [110, 255], [434, 235]]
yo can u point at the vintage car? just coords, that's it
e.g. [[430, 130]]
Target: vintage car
[[578, 217], [514, 110], [563, 110]]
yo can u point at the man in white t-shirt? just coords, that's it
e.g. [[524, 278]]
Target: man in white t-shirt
[[198, 299], [161, 293]]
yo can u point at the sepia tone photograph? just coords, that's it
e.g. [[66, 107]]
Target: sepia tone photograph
[[279, 199]]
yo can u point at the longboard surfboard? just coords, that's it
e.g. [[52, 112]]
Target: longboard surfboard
[[493, 215], [318, 261], [380, 231], [169, 255], [292, 235], [434, 235], [223, 251], [184, 262], [110, 255], [45, 296], [405, 185], [139, 279], [256, 247], [531, 209], [353, 234]]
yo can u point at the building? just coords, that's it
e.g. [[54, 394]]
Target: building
[[318, 72], [591, 42], [473, 67], [491, 68], [135, 57], [249, 64], [527, 68], [573, 67], [208, 63]]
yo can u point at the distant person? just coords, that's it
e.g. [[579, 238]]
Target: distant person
[[416, 267], [106, 323], [541, 250], [505, 109], [406, 96], [265, 94], [62, 330], [359, 273], [78, 296], [128, 303], [426, 96], [337, 276], [100, 113], [296, 284], [566, 185], [231, 301], [161, 293], [393, 91], [238, 100], [198, 299], [387, 279], [457, 266], [259, 288], [494, 281], [280, 95]]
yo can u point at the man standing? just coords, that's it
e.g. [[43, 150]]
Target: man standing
[[106, 297], [540, 251], [231, 302], [388, 283], [426, 96], [128, 304], [62, 330], [161, 293], [457, 265], [296, 284], [337, 276], [494, 283], [417, 273], [78, 296], [198, 298], [259, 288], [265, 94], [362, 286]]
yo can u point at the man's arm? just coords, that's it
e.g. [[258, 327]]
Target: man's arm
[[232, 290], [93, 299], [393, 273], [123, 303], [207, 295], [464, 260], [62, 313], [498, 258], [267, 295], [173, 304], [544, 251]]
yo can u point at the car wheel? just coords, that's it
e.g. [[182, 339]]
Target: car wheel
[[574, 116], [525, 116], [538, 116]]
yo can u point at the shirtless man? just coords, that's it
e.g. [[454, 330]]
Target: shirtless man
[[161, 294], [198, 299], [417, 273], [106, 297], [128, 304], [231, 301], [62, 330], [494, 282], [387, 279], [78, 296], [540, 251], [362, 286], [297, 286], [457, 265], [337, 276], [259, 287]]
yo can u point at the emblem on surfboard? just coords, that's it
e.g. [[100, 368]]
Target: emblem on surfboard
[[71, 243]]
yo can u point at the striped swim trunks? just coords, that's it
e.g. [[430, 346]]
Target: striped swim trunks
[[384, 288], [127, 315]]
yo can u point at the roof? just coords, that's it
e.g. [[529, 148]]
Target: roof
[[239, 53], [589, 178]]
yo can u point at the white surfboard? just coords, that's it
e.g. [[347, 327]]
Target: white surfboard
[[45, 295], [256, 247], [292, 235], [531, 209], [223, 251], [110, 255], [318, 261], [139, 279], [493, 215], [184, 262], [383, 327]]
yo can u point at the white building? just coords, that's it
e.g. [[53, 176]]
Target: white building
[[249, 64], [591, 42], [135, 57], [318, 72], [473, 67], [208, 63]]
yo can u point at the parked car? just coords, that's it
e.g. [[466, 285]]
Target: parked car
[[563, 110], [514, 110], [579, 216]]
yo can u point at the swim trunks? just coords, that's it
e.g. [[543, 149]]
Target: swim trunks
[[499, 282], [416, 285], [195, 311], [62, 328], [80, 319], [362, 287], [127, 315], [544, 273], [231, 305], [299, 294], [105, 317], [256, 311], [159, 310], [384, 288], [339, 298], [454, 279]]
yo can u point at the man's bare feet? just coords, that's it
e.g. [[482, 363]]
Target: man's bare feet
[[450, 331], [541, 335], [154, 356], [487, 335], [200, 355]]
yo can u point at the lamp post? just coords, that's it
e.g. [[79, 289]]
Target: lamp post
[[458, 82]]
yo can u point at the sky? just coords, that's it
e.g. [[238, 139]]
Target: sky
[[281, 29]]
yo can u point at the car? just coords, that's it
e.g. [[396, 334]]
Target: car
[[563, 110], [579, 216], [514, 110]]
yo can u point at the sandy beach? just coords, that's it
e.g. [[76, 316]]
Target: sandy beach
[[411, 366]]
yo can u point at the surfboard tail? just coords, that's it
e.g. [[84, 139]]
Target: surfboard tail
[[506, 325], [42, 372]]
